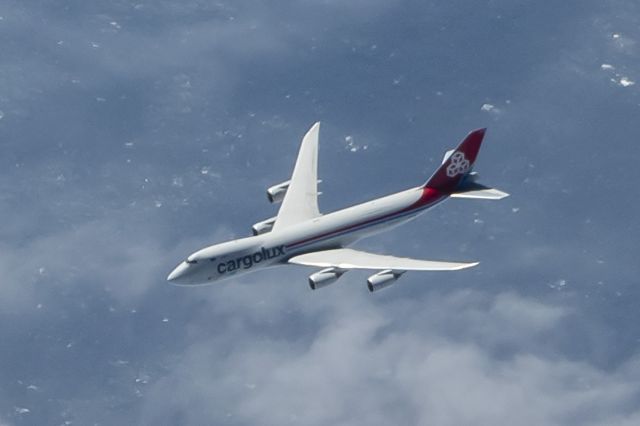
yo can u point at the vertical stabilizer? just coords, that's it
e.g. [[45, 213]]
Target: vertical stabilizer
[[458, 164]]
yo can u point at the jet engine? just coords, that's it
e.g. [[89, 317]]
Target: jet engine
[[325, 277], [382, 279], [264, 226], [277, 192]]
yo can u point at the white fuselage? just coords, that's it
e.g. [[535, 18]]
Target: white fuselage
[[333, 230]]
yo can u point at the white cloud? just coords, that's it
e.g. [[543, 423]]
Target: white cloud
[[392, 363], [266, 350], [100, 254], [626, 82], [491, 109]]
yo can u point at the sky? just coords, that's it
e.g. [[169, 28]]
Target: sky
[[134, 133]]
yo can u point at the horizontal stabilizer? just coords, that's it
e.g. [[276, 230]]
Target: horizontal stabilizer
[[478, 191], [356, 259], [447, 155]]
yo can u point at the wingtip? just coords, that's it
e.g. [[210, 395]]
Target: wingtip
[[315, 128], [313, 132]]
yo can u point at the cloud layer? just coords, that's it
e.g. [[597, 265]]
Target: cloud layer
[[135, 133]]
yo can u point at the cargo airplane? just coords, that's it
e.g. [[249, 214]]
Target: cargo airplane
[[301, 235]]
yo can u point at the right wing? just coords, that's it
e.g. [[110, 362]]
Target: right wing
[[354, 259], [301, 200]]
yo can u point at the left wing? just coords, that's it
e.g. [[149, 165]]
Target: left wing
[[354, 259], [301, 199]]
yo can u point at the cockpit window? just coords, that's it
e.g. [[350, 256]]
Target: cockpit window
[[191, 262], [213, 259]]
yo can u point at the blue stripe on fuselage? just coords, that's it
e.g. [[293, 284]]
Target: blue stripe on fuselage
[[358, 227]]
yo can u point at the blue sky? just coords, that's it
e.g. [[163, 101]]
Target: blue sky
[[136, 133]]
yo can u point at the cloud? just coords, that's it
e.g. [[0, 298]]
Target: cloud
[[374, 364], [106, 104], [101, 255]]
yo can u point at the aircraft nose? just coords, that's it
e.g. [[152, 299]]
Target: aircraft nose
[[178, 273]]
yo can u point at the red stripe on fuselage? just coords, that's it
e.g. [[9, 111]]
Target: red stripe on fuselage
[[428, 196]]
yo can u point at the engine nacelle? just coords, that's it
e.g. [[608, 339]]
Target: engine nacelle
[[264, 226], [382, 279], [277, 192], [325, 277]]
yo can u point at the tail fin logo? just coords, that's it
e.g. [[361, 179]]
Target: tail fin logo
[[459, 164]]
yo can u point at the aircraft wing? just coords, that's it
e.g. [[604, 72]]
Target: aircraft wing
[[301, 200], [354, 259]]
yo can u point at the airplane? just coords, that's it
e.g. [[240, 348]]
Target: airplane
[[301, 235]]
